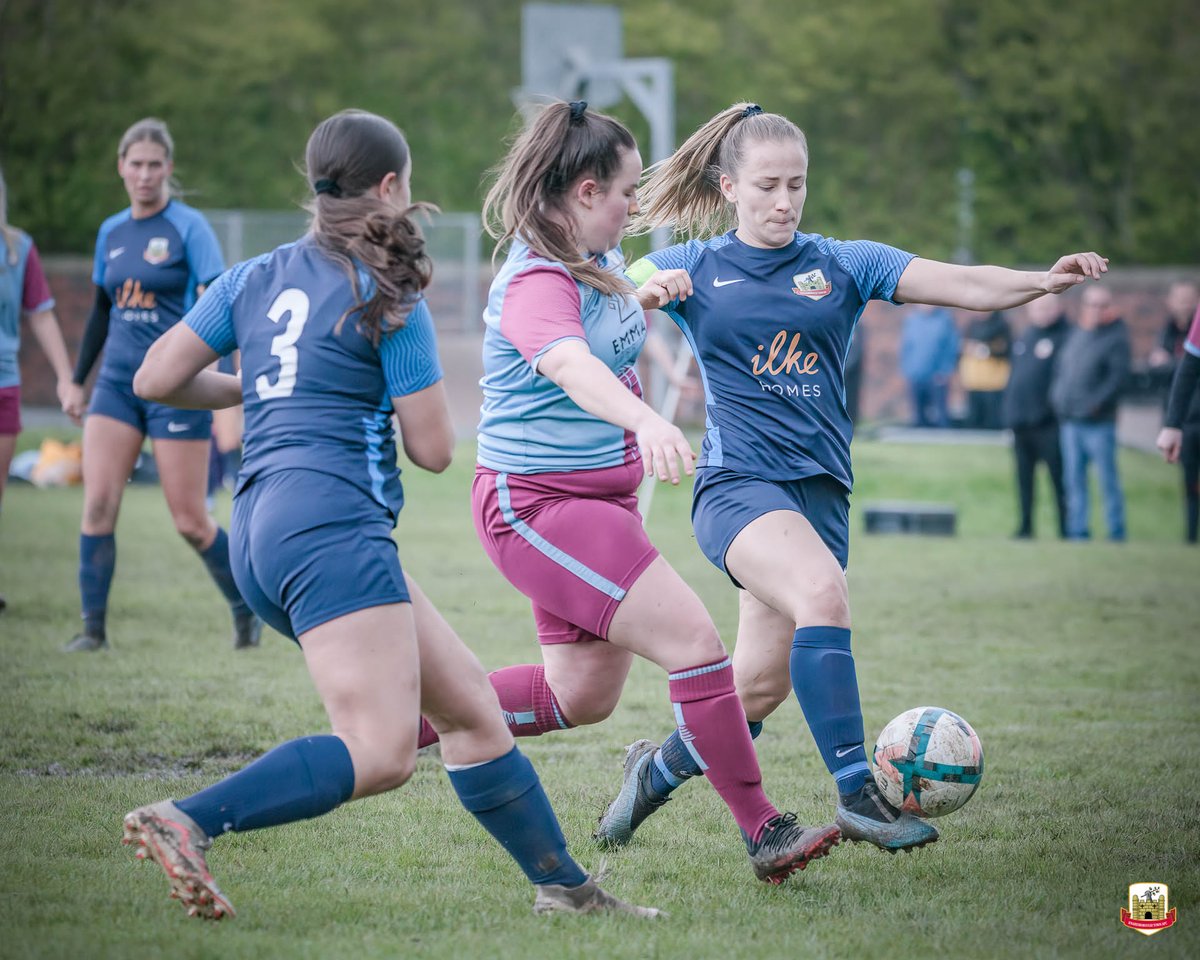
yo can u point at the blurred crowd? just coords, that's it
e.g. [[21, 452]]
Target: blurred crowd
[[1055, 382]]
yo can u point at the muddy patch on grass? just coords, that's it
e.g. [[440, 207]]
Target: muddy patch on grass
[[146, 766]]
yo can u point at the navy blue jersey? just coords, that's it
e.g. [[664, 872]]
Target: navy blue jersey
[[150, 269], [317, 396], [770, 329]]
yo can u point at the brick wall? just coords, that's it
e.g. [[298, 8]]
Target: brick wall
[[1138, 294]]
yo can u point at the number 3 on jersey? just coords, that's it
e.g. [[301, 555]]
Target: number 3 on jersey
[[293, 301]]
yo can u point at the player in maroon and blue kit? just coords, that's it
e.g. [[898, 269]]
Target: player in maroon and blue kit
[[152, 260], [335, 338], [769, 315], [564, 441]]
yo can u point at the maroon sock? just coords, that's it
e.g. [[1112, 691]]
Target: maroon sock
[[713, 726], [529, 706]]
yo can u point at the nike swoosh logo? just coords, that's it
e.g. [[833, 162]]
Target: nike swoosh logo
[[724, 283], [842, 753], [113, 254], [173, 427]]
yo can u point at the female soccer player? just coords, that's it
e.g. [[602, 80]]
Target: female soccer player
[[770, 319], [23, 293], [334, 337], [152, 260], [563, 442]]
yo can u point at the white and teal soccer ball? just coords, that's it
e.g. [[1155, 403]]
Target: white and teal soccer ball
[[927, 761]]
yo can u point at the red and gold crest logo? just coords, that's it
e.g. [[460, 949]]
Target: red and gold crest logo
[[1148, 911]]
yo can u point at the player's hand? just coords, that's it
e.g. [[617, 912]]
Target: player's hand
[[1170, 441], [70, 395], [663, 287], [663, 447], [1074, 268]]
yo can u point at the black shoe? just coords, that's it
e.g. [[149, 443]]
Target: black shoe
[[247, 630], [86, 642], [786, 847]]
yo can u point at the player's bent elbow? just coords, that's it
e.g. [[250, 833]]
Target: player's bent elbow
[[147, 384], [432, 457]]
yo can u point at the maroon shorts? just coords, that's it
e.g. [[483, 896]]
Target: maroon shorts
[[10, 411], [573, 543]]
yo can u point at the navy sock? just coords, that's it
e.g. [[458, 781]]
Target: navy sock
[[672, 763], [97, 561], [297, 780], [506, 797], [826, 685], [216, 558]]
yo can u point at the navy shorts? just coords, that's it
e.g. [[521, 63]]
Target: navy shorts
[[116, 399], [725, 501], [308, 547]]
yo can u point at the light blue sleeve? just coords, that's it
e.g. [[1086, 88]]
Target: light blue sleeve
[[876, 267], [204, 257], [409, 355], [212, 316]]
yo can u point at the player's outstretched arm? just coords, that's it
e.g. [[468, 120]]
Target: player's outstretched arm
[[986, 288], [174, 373]]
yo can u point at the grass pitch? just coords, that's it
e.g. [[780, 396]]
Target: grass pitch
[[1078, 664]]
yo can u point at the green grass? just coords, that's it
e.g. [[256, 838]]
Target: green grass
[[1078, 664]]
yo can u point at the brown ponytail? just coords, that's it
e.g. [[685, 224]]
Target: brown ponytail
[[347, 156], [684, 191], [563, 143]]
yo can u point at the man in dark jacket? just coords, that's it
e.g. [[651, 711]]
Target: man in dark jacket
[[1180, 436], [1092, 369], [1027, 411]]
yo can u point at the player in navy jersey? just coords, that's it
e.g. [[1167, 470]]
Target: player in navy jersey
[[564, 440], [770, 316], [152, 259], [334, 338]]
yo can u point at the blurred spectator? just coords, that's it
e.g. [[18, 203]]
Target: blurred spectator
[[1180, 436], [854, 371], [928, 356], [983, 368], [1182, 299], [1092, 368], [1027, 411]]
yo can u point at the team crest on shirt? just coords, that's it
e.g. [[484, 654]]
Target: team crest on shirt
[[157, 250], [811, 285]]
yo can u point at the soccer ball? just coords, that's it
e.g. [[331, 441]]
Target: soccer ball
[[927, 761]]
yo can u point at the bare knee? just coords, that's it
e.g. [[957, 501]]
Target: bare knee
[[824, 600], [380, 766], [581, 707], [195, 528], [100, 512], [762, 693]]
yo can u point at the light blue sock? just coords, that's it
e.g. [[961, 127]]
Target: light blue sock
[[297, 780], [826, 685], [672, 764], [506, 797]]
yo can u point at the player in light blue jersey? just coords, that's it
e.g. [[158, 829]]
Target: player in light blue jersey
[[152, 260], [770, 316], [335, 338], [564, 441]]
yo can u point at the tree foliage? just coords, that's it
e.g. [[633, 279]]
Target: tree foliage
[[1077, 120]]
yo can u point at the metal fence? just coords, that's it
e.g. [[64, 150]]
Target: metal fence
[[454, 241]]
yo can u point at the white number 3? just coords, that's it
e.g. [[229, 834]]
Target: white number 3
[[295, 302]]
